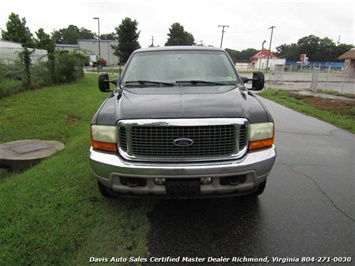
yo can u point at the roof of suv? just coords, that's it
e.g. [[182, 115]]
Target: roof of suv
[[180, 48]]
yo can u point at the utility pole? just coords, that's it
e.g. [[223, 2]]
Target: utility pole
[[223, 31], [152, 45], [268, 58], [98, 36]]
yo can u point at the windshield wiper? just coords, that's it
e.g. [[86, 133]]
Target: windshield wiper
[[149, 82], [196, 82]]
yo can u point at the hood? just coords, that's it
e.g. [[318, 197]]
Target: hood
[[188, 102], [181, 102]]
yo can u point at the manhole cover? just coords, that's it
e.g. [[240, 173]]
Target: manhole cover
[[19, 155], [28, 148]]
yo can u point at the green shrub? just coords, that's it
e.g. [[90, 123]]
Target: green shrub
[[40, 75], [11, 71], [59, 68], [68, 67], [10, 86]]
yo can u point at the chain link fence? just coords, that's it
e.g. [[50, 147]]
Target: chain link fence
[[314, 78], [277, 74]]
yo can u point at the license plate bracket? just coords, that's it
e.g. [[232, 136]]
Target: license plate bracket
[[186, 188]]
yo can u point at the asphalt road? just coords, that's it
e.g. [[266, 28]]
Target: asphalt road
[[307, 209]]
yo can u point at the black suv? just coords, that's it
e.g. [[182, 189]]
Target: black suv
[[180, 123]]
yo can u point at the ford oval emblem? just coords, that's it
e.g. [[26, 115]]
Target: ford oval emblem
[[183, 142]]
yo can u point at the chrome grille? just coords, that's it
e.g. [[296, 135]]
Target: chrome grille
[[154, 141], [243, 140], [123, 139], [207, 141]]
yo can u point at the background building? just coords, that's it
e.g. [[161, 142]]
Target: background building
[[262, 58], [91, 47], [9, 52], [349, 63]]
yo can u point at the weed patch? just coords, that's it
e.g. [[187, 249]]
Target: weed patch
[[337, 112]]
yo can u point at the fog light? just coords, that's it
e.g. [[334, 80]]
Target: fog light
[[206, 180], [159, 181]]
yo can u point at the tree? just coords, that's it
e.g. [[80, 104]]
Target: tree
[[17, 31], [310, 45], [109, 36], [71, 35], [326, 50], [234, 55], [44, 41], [247, 53], [128, 35], [288, 51], [241, 56], [178, 36], [47, 42]]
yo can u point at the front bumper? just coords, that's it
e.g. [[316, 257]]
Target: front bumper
[[255, 167]]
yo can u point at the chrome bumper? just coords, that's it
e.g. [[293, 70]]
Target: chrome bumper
[[110, 167]]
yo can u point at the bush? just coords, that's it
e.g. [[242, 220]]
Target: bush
[[9, 86], [68, 67], [10, 79], [40, 75], [11, 71], [60, 68]]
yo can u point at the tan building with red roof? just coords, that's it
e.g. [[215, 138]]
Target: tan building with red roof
[[349, 62]]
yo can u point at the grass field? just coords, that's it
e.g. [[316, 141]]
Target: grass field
[[53, 214], [340, 113]]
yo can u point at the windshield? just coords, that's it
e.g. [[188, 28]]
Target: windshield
[[171, 67]]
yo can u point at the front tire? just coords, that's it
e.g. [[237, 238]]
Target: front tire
[[260, 189], [105, 191]]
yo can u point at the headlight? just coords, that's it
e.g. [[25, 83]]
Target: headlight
[[104, 137], [261, 135]]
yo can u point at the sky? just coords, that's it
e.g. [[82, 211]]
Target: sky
[[248, 22]]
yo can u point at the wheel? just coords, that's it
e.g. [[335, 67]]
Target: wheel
[[260, 189], [105, 191]]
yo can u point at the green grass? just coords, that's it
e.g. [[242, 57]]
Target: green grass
[[282, 97], [53, 214]]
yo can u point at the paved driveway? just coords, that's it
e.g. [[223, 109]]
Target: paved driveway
[[306, 210]]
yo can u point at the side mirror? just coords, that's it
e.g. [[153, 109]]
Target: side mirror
[[104, 83], [258, 81]]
